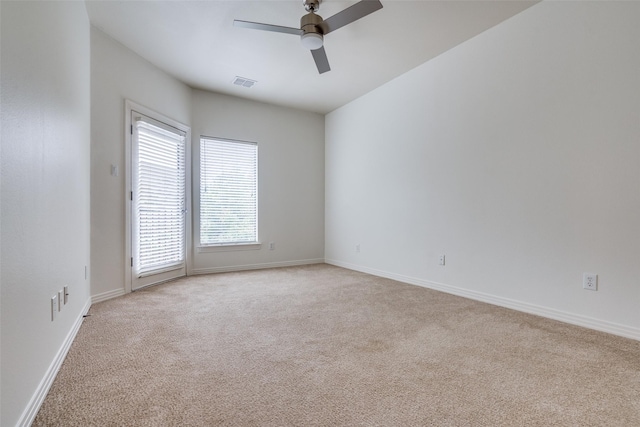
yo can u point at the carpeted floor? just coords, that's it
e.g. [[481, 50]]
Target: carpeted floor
[[322, 346]]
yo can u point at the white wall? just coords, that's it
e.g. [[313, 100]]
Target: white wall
[[45, 193], [515, 154], [291, 164], [290, 179], [117, 74]]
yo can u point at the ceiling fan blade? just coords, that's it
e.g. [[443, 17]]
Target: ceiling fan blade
[[350, 14], [320, 56], [267, 27]]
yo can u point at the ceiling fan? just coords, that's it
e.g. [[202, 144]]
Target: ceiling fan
[[313, 28]]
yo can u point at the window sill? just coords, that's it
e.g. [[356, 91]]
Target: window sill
[[230, 247]]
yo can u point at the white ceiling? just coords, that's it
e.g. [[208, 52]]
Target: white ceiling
[[196, 42]]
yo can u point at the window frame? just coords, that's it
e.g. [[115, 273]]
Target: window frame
[[224, 246]]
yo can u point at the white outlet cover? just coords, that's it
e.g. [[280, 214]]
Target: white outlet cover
[[590, 281]]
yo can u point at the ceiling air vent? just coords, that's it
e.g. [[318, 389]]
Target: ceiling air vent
[[243, 81]]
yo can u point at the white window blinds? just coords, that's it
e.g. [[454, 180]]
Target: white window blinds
[[158, 197], [228, 192]]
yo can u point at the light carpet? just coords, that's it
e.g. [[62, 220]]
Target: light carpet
[[325, 346]]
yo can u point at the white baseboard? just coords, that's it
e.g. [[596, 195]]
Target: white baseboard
[[196, 271], [107, 295], [38, 397], [261, 266], [550, 313]]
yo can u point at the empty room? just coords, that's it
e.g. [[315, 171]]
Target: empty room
[[304, 212]]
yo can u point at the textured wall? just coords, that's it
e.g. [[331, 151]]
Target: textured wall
[[290, 178], [291, 163], [516, 155], [118, 74], [45, 189]]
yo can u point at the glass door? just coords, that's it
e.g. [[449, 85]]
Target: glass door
[[158, 202]]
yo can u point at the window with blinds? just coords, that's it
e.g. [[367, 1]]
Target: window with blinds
[[158, 197], [228, 192]]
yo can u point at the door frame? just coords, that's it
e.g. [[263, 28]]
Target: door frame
[[131, 106]]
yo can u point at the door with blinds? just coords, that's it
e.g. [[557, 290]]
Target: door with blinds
[[158, 201]]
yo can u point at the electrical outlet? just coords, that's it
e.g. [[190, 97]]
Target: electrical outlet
[[358, 248], [272, 246], [54, 307], [441, 260], [66, 295], [590, 281]]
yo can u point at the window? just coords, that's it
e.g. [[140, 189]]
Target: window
[[228, 192]]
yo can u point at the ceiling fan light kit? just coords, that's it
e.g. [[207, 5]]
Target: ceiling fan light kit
[[313, 28], [312, 41], [311, 37]]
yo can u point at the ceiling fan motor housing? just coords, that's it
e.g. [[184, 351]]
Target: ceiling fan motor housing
[[309, 23], [312, 37]]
